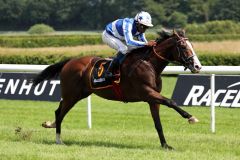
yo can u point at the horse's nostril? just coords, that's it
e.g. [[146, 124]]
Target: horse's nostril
[[197, 67]]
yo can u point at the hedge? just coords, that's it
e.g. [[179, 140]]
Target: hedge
[[219, 59], [48, 41], [41, 29], [214, 27], [213, 37], [206, 59], [74, 40], [31, 59]]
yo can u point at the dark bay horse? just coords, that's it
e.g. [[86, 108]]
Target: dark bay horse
[[140, 79]]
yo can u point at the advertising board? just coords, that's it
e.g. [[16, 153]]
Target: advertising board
[[18, 86], [194, 90]]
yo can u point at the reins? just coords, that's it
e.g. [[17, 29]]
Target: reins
[[159, 56], [163, 58]]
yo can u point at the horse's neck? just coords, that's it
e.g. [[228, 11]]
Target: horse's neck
[[158, 64], [148, 55], [164, 50], [164, 47], [140, 53]]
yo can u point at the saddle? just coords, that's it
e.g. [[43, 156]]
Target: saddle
[[97, 75]]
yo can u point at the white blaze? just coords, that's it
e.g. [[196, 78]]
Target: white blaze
[[195, 58]]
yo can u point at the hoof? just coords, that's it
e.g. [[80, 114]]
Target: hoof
[[193, 120], [48, 124], [58, 139], [60, 143], [167, 147]]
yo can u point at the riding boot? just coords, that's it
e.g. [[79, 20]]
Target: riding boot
[[114, 64]]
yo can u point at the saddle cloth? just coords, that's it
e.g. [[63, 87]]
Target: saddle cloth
[[98, 72]]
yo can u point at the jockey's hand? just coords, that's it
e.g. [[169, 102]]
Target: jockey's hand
[[151, 43]]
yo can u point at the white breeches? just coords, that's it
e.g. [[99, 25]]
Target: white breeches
[[116, 43]]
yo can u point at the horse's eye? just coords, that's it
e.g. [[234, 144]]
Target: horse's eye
[[184, 47]]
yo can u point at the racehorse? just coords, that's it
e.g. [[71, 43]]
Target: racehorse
[[140, 79]]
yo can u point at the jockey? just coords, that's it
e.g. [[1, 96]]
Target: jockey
[[120, 35]]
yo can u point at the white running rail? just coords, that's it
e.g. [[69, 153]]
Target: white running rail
[[168, 70]]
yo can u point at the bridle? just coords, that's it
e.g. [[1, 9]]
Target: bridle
[[185, 60]]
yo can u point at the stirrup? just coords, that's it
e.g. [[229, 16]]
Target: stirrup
[[109, 75]]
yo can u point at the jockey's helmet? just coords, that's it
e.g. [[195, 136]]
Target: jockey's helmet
[[144, 18]]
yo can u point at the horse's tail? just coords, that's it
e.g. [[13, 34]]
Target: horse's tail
[[50, 72]]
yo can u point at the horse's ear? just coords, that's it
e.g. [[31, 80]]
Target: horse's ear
[[164, 34], [174, 31], [181, 32], [184, 32]]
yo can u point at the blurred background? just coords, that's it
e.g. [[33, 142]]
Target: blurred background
[[46, 31], [95, 14]]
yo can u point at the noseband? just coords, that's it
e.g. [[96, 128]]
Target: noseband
[[181, 55]]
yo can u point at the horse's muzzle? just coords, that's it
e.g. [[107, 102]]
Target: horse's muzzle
[[195, 68]]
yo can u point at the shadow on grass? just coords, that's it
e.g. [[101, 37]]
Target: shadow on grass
[[102, 144]]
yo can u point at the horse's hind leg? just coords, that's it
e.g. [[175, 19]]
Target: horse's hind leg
[[49, 124]]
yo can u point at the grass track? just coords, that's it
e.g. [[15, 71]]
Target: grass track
[[120, 131]]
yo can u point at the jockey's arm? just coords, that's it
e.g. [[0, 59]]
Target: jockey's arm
[[150, 43], [127, 31], [142, 38]]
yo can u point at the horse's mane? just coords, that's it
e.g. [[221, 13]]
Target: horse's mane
[[164, 34]]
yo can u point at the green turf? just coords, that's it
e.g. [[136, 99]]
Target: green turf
[[120, 131]]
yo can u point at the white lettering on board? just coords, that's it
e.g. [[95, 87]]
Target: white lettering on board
[[231, 98], [228, 96], [1, 85], [11, 86], [40, 91], [54, 84], [195, 92], [26, 87], [236, 102]]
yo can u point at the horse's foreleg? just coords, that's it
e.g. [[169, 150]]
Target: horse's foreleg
[[156, 118], [172, 104], [155, 97]]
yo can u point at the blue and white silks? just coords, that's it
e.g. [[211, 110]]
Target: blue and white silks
[[125, 30]]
